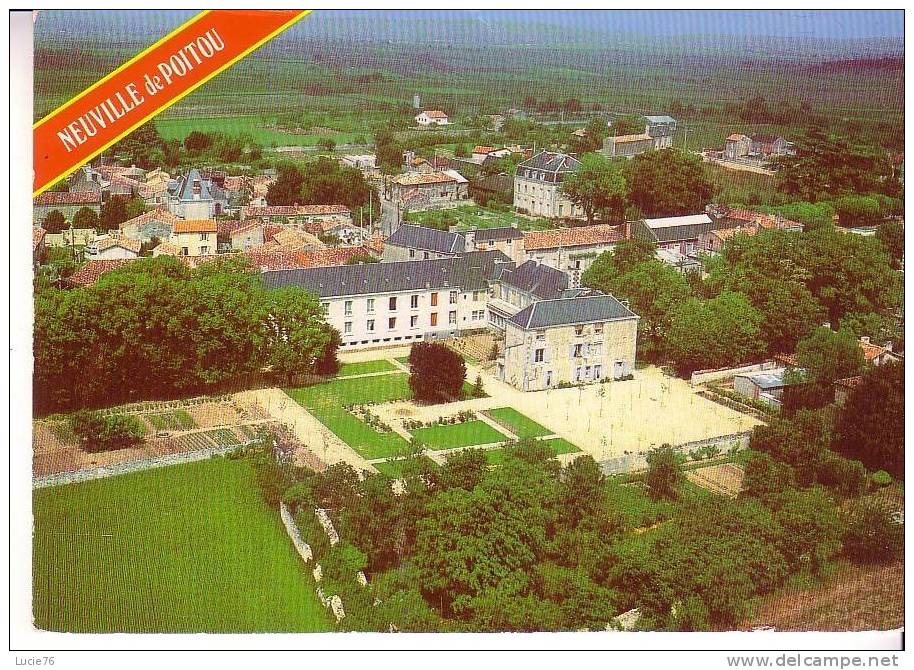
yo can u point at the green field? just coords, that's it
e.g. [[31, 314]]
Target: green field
[[365, 367], [517, 423], [263, 131], [326, 402], [139, 553], [454, 436]]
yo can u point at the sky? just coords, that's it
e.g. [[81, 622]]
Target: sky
[[798, 24]]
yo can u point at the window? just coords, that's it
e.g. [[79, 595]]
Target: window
[[392, 323], [204, 251], [184, 251], [347, 308], [347, 328], [477, 296], [434, 319], [435, 299], [425, 255], [453, 298], [414, 302], [541, 336], [393, 303], [204, 237], [369, 305], [478, 314], [598, 328], [452, 318], [412, 253], [597, 371], [539, 355], [596, 349], [413, 321], [579, 330], [578, 350], [325, 306], [369, 325]]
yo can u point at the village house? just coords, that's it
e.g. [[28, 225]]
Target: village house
[[410, 242], [768, 145], [569, 341], [515, 288], [571, 250], [158, 223], [732, 222], [266, 258], [737, 146], [538, 186], [506, 239], [88, 180], [679, 233], [481, 153], [109, 247], [195, 197], [195, 237], [627, 146], [380, 304], [297, 215], [418, 192], [238, 235], [70, 237], [367, 164], [432, 117], [154, 190], [873, 354], [67, 203], [661, 130]]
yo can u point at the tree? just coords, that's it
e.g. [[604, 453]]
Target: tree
[[800, 441], [197, 141], [358, 259], [668, 182], [286, 190], [388, 151], [297, 335], [325, 182], [85, 218], [55, 222], [143, 147], [629, 253], [114, 212], [857, 210], [714, 333], [873, 535], [812, 529], [892, 237], [437, 372], [789, 312], [464, 470], [766, 477], [461, 151], [326, 143], [870, 425], [664, 473], [827, 356], [598, 187]]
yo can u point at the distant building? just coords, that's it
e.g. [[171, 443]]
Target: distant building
[[768, 145], [571, 250], [158, 223], [679, 233], [195, 197], [436, 190], [67, 203], [195, 237], [737, 146], [109, 248], [367, 163], [569, 341], [410, 242], [538, 185], [299, 216], [627, 146], [432, 117], [481, 153], [239, 235], [767, 385], [507, 239], [661, 130]]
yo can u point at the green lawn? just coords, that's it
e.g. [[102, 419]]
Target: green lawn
[[467, 434], [365, 367], [476, 216], [561, 446], [139, 553], [326, 402], [517, 423], [392, 469]]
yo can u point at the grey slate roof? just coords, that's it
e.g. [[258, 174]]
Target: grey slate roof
[[427, 239], [642, 231], [549, 161], [468, 272], [505, 233], [535, 278], [184, 187], [571, 311]]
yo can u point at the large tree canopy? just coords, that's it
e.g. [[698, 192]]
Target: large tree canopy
[[598, 187], [668, 182]]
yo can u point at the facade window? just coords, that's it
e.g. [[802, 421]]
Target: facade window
[[477, 296], [596, 349], [425, 255], [413, 321], [578, 348], [414, 302], [452, 318], [412, 253], [347, 328], [369, 325], [393, 303], [597, 371], [184, 251], [204, 237], [539, 355], [435, 299], [369, 305], [598, 328], [347, 308], [392, 323], [434, 319], [325, 306], [579, 330], [479, 314], [204, 251], [453, 298]]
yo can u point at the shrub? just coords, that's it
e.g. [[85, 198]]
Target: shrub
[[873, 536], [106, 433], [664, 473], [478, 390], [882, 478], [843, 475]]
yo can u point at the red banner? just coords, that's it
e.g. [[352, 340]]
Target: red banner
[[146, 85]]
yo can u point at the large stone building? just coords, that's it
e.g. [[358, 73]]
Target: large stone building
[[382, 304], [513, 289], [538, 186], [627, 146], [571, 250], [569, 341], [417, 191], [408, 243]]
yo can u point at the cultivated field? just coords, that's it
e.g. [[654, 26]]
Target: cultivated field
[[144, 553]]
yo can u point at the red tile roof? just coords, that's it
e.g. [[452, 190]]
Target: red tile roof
[[483, 150], [91, 272], [154, 215], [195, 226], [124, 243], [51, 198], [849, 382], [291, 260], [435, 114], [294, 210], [573, 237]]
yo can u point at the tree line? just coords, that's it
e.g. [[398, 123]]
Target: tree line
[[155, 328]]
